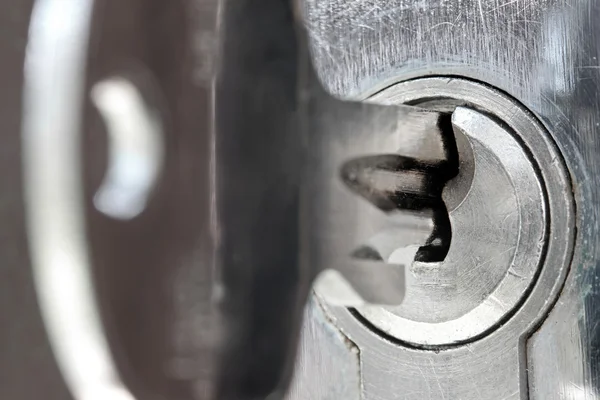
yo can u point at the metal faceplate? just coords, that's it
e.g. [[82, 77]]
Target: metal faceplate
[[544, 54]]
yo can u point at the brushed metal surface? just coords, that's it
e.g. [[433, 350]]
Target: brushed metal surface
[[347, 206], [544, 53], [330, 364], [499, 233], [458, 369], [85, 265]]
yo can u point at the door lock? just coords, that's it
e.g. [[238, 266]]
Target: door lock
[[512, 229]]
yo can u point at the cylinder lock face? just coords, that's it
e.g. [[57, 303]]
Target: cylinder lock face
[[498, 211], [509, 235]]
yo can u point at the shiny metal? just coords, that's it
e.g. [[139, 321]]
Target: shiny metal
[[498, 238], [545, 55], [366, 198], [288, 156], [331, 370], [462, 341], [56, 62], [498, 215], [87, 266]]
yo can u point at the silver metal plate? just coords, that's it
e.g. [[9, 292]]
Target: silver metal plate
[[390, 355], [499, 224], [544, 53]]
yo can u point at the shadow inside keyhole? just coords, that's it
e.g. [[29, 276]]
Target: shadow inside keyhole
[[393, 182], [437, 246]]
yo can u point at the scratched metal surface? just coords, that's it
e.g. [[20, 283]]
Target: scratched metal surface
[[545, 54], [327, 357]]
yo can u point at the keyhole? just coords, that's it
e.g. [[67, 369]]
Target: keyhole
[[394, 182]]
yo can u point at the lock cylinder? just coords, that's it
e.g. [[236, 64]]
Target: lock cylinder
[[508, 219]]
